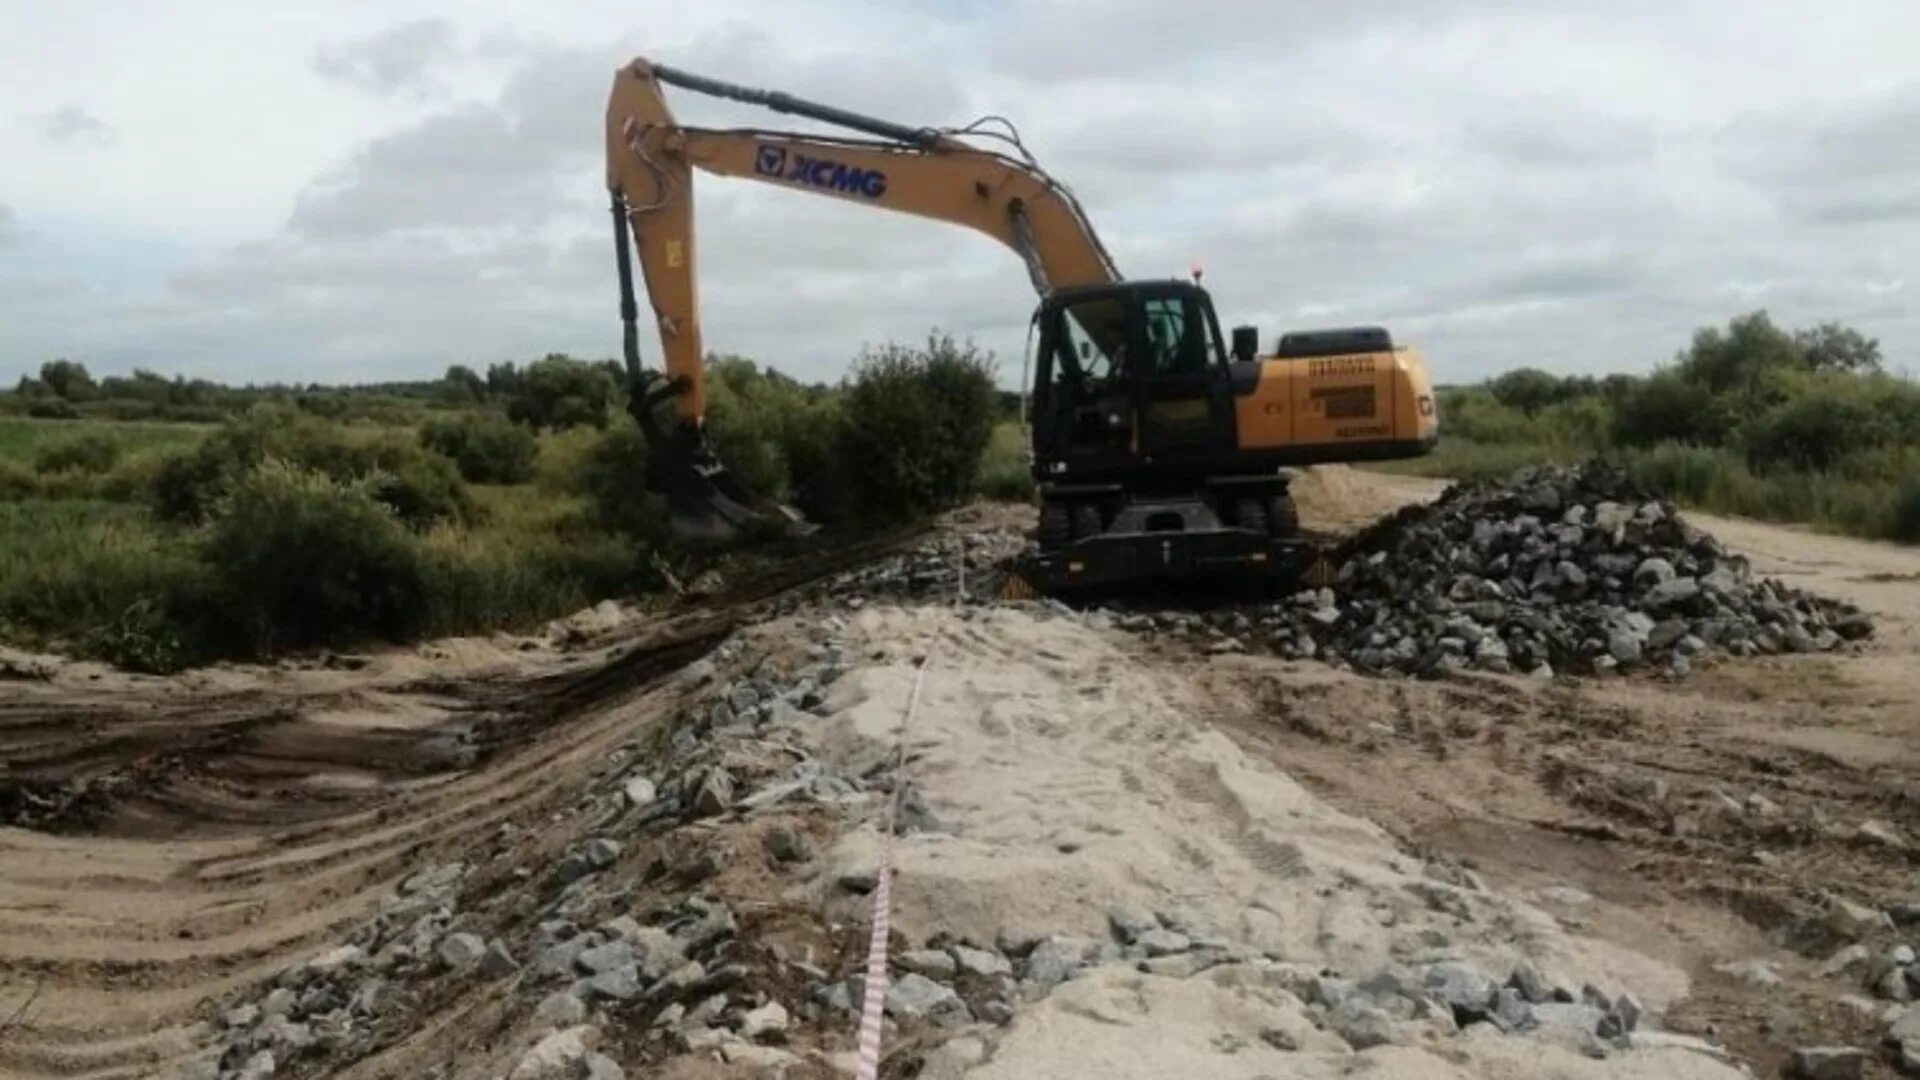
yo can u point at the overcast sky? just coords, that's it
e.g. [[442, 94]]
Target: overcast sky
[[350, 191]]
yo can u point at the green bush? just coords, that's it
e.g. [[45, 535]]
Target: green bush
[[1006, 469], [423, 488], [916, 422], [90, 453], [1669, 407], [1830, 418], [487, 449], [52, 408], [556, 392], [305, 559], [1904, 523], [613, 478]]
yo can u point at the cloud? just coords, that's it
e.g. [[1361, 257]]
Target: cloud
[[9, 227], [401, 58], [72, 125], [1857, 163], [1575, 188]]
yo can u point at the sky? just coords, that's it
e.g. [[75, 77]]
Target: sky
[[346, 191]]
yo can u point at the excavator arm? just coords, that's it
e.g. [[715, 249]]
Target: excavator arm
[[921, 171]]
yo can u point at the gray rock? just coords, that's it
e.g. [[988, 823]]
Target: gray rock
[[714, 795], [1054, 961], [601, 852], [859, 881], [1130, 922], [1533, 986], [457, 952], [1882, 834], [786, 846], [1622, 1018], [1758, 974], [598, 1066], [241, 1016], [768, 1019], [1623, 646], [1850, 960], [1671, 594], [335, 959], [560, 1009], [1180, 965], [638, 790], [1463, 987], [1582, 1018], [1511, 1012], [915, 997], [559, 958], [560, 1055], [1853, 921], [278, 1002], [619, 984], [1652, 571], [618, 953], [981, 962], [1163, 942], [1361, 1023], [497, 962], [1906, 1027], [1828, 1063], [933, 963], [257, 1067]]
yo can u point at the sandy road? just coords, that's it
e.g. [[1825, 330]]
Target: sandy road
[[270, 810]]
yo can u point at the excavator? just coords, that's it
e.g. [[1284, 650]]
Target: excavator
[[1159, 448]]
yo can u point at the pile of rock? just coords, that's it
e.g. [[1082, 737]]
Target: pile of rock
[[596, 931], [1552, 570], [335, 1002]]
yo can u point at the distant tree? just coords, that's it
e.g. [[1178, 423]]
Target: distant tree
[[68, 380], [560, 392], [1833, 347], [503, 381], [1527, 389], [616, 372], [463, 385]]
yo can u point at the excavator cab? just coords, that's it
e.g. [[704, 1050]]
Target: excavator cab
[[1129, 375]]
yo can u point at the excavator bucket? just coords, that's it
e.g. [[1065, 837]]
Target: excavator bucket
[[706, 503]]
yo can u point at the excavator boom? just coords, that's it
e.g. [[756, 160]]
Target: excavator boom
[[937, 174]]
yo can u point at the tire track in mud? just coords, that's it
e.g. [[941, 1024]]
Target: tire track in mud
[[179, 849]]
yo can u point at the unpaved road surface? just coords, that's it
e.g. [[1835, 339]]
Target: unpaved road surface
[[1182, 859]]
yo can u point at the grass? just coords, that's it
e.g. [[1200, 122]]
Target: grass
[[1715, 479], [23, 437], [1006, 467]]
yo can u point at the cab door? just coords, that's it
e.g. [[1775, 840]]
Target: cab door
[[1181, 378]]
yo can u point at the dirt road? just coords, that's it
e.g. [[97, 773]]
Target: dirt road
[[183, 846]]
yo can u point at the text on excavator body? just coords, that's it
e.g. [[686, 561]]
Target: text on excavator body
[[823, 173]]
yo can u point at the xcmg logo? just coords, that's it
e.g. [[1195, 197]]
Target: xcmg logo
[[822, 173]]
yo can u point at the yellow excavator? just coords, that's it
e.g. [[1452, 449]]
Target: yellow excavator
[[1158, 447]]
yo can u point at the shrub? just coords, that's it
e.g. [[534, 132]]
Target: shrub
[[916, 421], [1904, 521], [556, 392], [487, 449], [422, 488], [1006, 470], [1669, 407], [613, 477], [91, 453], [52, 408], [1829, 418], [305, 559]]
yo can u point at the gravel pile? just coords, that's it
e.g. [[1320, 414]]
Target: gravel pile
[[616, 936], [1554, 570]]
